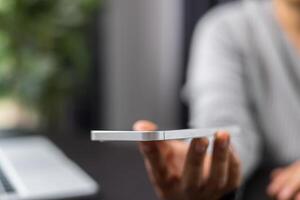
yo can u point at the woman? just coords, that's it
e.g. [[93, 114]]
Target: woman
[[244, 70]]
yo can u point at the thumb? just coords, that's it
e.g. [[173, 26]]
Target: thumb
[[146, 147], [144, 125]]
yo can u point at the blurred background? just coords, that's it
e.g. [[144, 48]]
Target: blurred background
[[46, 60], [67, 67], [87, 64]]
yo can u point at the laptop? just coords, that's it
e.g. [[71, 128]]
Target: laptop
[[33, 168]]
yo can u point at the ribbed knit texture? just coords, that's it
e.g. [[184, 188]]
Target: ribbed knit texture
[[244, 71]]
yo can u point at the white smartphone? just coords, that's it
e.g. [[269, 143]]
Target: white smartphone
[[101, 135]]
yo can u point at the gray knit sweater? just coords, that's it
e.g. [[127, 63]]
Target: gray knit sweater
[[244, 71]]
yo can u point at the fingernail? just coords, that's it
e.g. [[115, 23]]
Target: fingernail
[[285, 193], [200, 148]]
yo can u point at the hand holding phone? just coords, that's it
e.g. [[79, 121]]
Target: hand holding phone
[[185, 170]]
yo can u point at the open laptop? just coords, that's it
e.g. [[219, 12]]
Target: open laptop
[[32, 168]]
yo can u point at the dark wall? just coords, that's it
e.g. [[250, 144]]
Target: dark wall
[[84, 113]]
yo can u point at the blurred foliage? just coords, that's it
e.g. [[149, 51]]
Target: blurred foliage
[[43, 48]]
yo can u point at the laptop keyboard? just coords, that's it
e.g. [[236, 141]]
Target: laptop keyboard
[[5, 185]]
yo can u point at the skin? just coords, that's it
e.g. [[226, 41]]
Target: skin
[[185, 171], [285, 181], [287, 13]]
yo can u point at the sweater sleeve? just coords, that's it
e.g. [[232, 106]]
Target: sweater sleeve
[[216, 88]]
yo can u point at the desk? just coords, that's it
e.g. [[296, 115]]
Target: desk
[[117, 167]]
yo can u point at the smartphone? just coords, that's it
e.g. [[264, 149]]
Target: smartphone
[[101, 135]]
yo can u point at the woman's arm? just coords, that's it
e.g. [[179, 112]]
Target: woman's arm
[[216, 87]]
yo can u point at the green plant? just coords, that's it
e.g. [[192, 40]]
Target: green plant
[[43, 48]]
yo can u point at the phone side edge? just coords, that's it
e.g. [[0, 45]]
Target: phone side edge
[[127, 135]]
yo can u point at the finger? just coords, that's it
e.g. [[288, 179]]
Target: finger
[[277, 183], [144, 125], [234, 171], [149, 149], [276, 172], [193, 173], [219, 167], [154, 153], [161, 186], [290, 188]]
